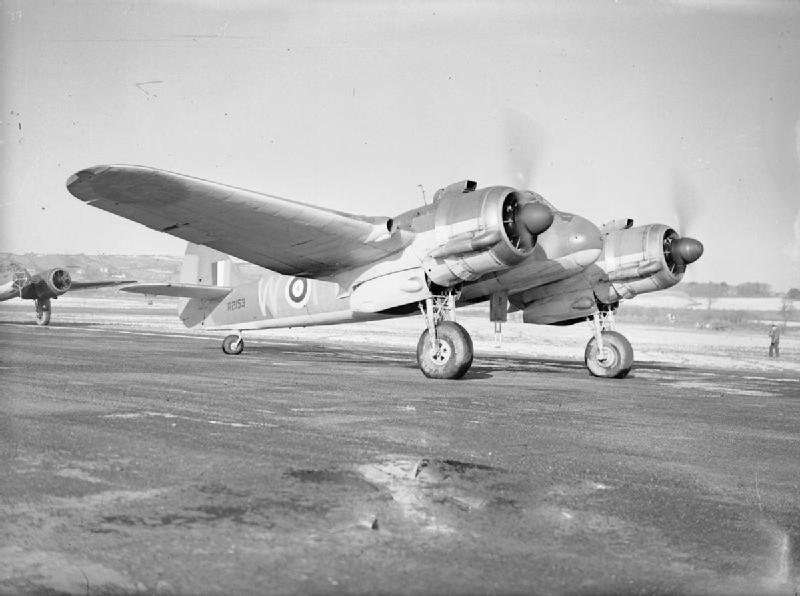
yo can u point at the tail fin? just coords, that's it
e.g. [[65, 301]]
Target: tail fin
[[208, 267]]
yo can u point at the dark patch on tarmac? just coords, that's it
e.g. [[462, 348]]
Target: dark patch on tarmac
[[204, 514], [449, 467], [322, 476]]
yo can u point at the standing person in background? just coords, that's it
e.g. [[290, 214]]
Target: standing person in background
[[774, 341]]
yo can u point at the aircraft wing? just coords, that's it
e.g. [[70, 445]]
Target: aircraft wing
[[85, 285], [278, 234], [180, 290]]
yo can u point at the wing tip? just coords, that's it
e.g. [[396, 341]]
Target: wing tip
[[79, 184], [85, 175], [99, 170]]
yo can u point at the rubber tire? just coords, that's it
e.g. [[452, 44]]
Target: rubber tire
[[458, 347], [621, 356], [43, 312], [229, 341]]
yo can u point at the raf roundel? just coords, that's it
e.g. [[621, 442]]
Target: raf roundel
[[297, 292]]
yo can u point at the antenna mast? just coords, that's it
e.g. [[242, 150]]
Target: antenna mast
[[422, 188]]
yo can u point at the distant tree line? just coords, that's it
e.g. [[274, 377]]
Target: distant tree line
[[710, 289]]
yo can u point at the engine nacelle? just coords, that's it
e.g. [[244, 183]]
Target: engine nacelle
[[482, 231], [49, 284], [638, 260], [633, 261]]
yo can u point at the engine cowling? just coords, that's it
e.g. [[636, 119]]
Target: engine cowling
[[48, 284], [482, 231], [643, 259], [633, 261]]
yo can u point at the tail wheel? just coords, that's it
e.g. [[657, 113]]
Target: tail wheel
[[43, 310], [452, 356], [616, 360], [233, 344]]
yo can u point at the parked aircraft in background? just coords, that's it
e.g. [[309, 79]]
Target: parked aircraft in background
[[43, 286], [505, 245]]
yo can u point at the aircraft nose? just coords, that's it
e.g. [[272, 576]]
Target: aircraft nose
[[572, 235], [583, 235]]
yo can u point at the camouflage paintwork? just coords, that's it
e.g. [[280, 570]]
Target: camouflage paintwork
[[564, 250], [273, 301], [275, 233], [323, 266], [634, 262]]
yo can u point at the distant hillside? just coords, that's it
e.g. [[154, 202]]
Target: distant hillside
[[143, 268]]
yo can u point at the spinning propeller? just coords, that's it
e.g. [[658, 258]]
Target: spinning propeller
[[682, 251], [523, 220], [522, 146]]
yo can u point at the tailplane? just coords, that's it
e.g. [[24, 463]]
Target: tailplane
[[207, 277], [205, 267]]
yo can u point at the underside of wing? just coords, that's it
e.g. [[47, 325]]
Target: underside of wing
[[278, 234], [85, 285]]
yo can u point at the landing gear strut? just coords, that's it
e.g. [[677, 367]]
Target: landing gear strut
[[43, 310], [444, 350], [233, 344], [608, 354]]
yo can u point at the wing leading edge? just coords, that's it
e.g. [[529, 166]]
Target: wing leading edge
[[282, 235], [87, 285]]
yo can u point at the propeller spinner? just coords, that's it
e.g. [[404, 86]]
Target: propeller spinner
[[681, 252], [523, 222]]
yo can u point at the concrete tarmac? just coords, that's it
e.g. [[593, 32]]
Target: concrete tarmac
[[138, 461]]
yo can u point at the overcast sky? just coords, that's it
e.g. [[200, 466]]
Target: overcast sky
[[678, 112]]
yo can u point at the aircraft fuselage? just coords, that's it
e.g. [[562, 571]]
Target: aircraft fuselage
[[274, 300]]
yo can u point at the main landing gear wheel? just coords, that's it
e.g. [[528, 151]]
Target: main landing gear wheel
[[616, 360], [43, 310], [452, 356], [233, 344]]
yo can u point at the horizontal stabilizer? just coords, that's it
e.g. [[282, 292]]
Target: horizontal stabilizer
[[180, 290]]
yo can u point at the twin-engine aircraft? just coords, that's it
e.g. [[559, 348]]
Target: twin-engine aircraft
[[43, 286], [505, 245]]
